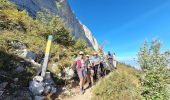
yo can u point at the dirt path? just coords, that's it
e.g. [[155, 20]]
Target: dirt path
[[86, 96]]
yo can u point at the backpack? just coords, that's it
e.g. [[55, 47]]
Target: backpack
[[110, 57], [78, 62], [88, 63]]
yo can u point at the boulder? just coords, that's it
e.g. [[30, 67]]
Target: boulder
[[48, 79], [36, 88], [31, 55], [69, 73]]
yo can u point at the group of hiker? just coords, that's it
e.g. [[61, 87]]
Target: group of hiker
[[91, 68]]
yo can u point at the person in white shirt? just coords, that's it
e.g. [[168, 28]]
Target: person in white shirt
[[114, 60]]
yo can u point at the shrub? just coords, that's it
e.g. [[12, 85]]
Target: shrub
[[53, 25], [155, 73]]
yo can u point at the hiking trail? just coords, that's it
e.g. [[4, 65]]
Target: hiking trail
[[88, 92], [86, 96]]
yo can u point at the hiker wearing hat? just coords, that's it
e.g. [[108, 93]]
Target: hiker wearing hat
[[90, 71], [96, 62], [80, 67]]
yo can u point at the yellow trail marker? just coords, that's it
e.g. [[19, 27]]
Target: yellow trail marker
[[47, 53]]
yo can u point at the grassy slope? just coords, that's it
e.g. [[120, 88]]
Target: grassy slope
[[122, 84]]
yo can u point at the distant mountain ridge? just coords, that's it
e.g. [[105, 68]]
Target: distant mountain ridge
[[62, 9]]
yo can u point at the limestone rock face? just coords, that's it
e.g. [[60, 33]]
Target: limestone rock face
[[62, 9]]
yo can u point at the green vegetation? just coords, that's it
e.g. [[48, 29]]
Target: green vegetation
[[155, 73], [126, 83], [33, 32], [122, 84]]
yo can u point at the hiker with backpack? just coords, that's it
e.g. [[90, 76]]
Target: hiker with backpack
[[81, 70], [96, 66], [90, 71]]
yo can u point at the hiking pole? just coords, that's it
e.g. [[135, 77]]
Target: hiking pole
[[47, 53]]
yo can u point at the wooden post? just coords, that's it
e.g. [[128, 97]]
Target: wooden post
[[47, 53]]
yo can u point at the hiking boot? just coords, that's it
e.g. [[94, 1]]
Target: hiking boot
[[82, 91]]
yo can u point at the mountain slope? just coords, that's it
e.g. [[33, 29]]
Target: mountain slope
[[62, 9], [122, 84]]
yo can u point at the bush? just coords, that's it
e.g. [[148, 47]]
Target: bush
[[155, 73], [80, 44]]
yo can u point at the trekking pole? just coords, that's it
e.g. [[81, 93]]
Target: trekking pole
[[47, 53]]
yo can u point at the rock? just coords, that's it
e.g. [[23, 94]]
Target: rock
[[21, 50], [63, 10], [54, 67], [38, 78], [49, 84], [48, 79], [41, 85], [31, 55], [69, 73], [23, 53], [33, 63], [47, 90], [36, 87], [3, 85], [19, 69], [38, 98], [16, 79], [53, 90], [26, 54]]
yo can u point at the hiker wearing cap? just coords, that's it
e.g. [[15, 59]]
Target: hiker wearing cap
[[90, 71], [80, 67], [96, 62]]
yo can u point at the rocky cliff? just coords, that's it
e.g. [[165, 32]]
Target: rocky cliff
[[62, 9]]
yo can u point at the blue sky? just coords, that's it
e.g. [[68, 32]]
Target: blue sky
[[125, 24]]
